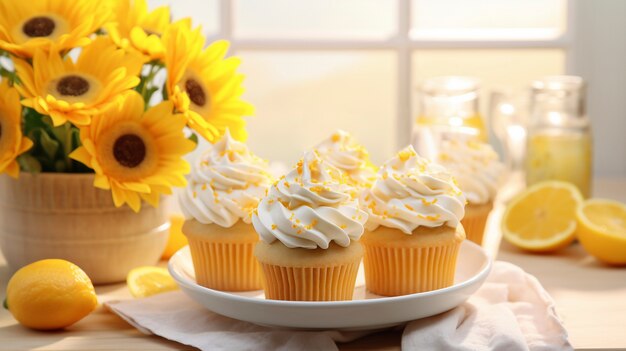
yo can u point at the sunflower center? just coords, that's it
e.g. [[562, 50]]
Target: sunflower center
[[195, 92], [39, 26], [72, 86], [129, 150]]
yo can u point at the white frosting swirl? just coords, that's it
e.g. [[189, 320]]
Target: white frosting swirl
[[410, 192], [227, 183], [476, 167], [310, 207], [342, 151]]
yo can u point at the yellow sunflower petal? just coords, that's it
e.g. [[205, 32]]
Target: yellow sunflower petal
[[28, 26], [136, 30], [12, 142], [216, 90], [138, 154], [101, 182], [72, 92], [13, 170], [136, 187], [25, 145], [81, 155], [151, 198], [133, 200], [182, 45], [119, 196]]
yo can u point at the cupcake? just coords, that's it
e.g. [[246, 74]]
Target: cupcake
[[413, 233], [342, 151], [310, 224], [226, 185], [476, 168]]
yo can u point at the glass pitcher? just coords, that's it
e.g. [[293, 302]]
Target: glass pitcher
[[508, 115], [449, 108], [559, 145]]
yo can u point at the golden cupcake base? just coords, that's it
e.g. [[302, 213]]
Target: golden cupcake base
[[223, 258], [475, 221], [309, 274], [400, 264]]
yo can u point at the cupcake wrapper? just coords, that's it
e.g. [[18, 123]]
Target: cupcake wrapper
[[225, 266], [394, 271], [331, 283], [475, 227]]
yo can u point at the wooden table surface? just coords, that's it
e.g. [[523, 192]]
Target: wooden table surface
[[590, 298]]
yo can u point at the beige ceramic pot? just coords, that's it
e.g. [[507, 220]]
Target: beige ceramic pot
[[56, 215]]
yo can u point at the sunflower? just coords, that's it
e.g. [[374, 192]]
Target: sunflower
[[136, 154], [134, 28], [12, 143], [205, 86], [68, 91], [56, 25]]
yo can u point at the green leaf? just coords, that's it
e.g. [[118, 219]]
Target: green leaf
[[33, 120], [193, 137], [75, 138], [60, 166], [29, 163], [60, 132], [164, 94], [49, 145], [6, 73]]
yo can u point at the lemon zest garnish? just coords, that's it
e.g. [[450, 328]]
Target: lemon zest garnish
[[405, 155], [317, 189], [428, 203], [313, 224]]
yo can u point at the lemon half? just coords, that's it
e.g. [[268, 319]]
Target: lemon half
[[543, 217], [602, 230]]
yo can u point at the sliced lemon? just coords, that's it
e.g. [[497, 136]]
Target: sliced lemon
[[543, 217], [149, 280], [602, 230]]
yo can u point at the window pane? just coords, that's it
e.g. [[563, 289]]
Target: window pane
[[302, 97], [488, 19], [319, 19], [205, 13]]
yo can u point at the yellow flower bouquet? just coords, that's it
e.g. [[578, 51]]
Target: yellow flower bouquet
[[103, 95], [108, 87]]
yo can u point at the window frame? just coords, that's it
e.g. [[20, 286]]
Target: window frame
[[404, 47]]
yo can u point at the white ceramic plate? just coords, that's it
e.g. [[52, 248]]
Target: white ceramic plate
[[366, 311]]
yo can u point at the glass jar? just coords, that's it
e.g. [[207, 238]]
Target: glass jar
[[449, 108], [559, 143]]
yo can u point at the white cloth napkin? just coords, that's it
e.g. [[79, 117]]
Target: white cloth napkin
[[511, 311]]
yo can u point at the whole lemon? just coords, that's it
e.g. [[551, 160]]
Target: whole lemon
[[50, 294]]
